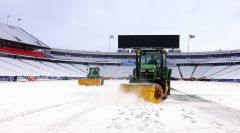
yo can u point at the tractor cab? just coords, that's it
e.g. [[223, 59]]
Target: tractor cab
[[151, 57], [150, 64], [93, 72]]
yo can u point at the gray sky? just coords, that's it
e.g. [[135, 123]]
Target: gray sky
[[86, 24]]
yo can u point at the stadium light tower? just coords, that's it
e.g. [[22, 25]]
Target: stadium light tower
[[109, 41], [190, 37]]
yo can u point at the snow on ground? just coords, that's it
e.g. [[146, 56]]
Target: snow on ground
[[224, 93], [64, 106]]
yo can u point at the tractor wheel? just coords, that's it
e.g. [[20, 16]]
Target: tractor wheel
[[102, 82], [169, 88]]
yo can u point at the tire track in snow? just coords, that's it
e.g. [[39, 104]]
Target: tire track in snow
[[215, 109], [60, 126], [30, 112]]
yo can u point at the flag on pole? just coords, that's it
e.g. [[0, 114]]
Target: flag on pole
[[111, 36], [191, 36]]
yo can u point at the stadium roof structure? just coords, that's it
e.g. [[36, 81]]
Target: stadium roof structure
[[68, 51], [171, 54], [18, 35]]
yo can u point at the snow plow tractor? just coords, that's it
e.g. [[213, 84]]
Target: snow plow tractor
[[151, 77], [93, 78]]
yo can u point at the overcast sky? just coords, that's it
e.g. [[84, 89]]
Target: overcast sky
[[87, 24]]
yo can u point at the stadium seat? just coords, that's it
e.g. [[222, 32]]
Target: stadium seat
[[22, 52]]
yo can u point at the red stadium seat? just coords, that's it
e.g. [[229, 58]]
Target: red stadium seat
[[22, 52]]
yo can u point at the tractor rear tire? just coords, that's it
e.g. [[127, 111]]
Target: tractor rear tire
[[169, 88], [102, 82]]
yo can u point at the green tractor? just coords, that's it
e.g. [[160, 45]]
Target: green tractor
[[93, 77], [151, 77]]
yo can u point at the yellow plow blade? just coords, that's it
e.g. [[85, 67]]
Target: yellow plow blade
[[88, 82], [148, 91]]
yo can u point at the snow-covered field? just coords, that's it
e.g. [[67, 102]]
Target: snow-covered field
[[64, 106]]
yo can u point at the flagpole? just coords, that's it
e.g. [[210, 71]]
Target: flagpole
[[188, 43], [109, 42], [7, 18], [19, 19], [189, 38]]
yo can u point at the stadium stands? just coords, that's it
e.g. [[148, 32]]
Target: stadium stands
[[200, 70], [24, 67], [187, 71], [215, 70], [116, 71], [20, 67], [90, 59], [175, 72], [232, 72]]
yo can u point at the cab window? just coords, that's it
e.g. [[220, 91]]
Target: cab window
[[151, 57]]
